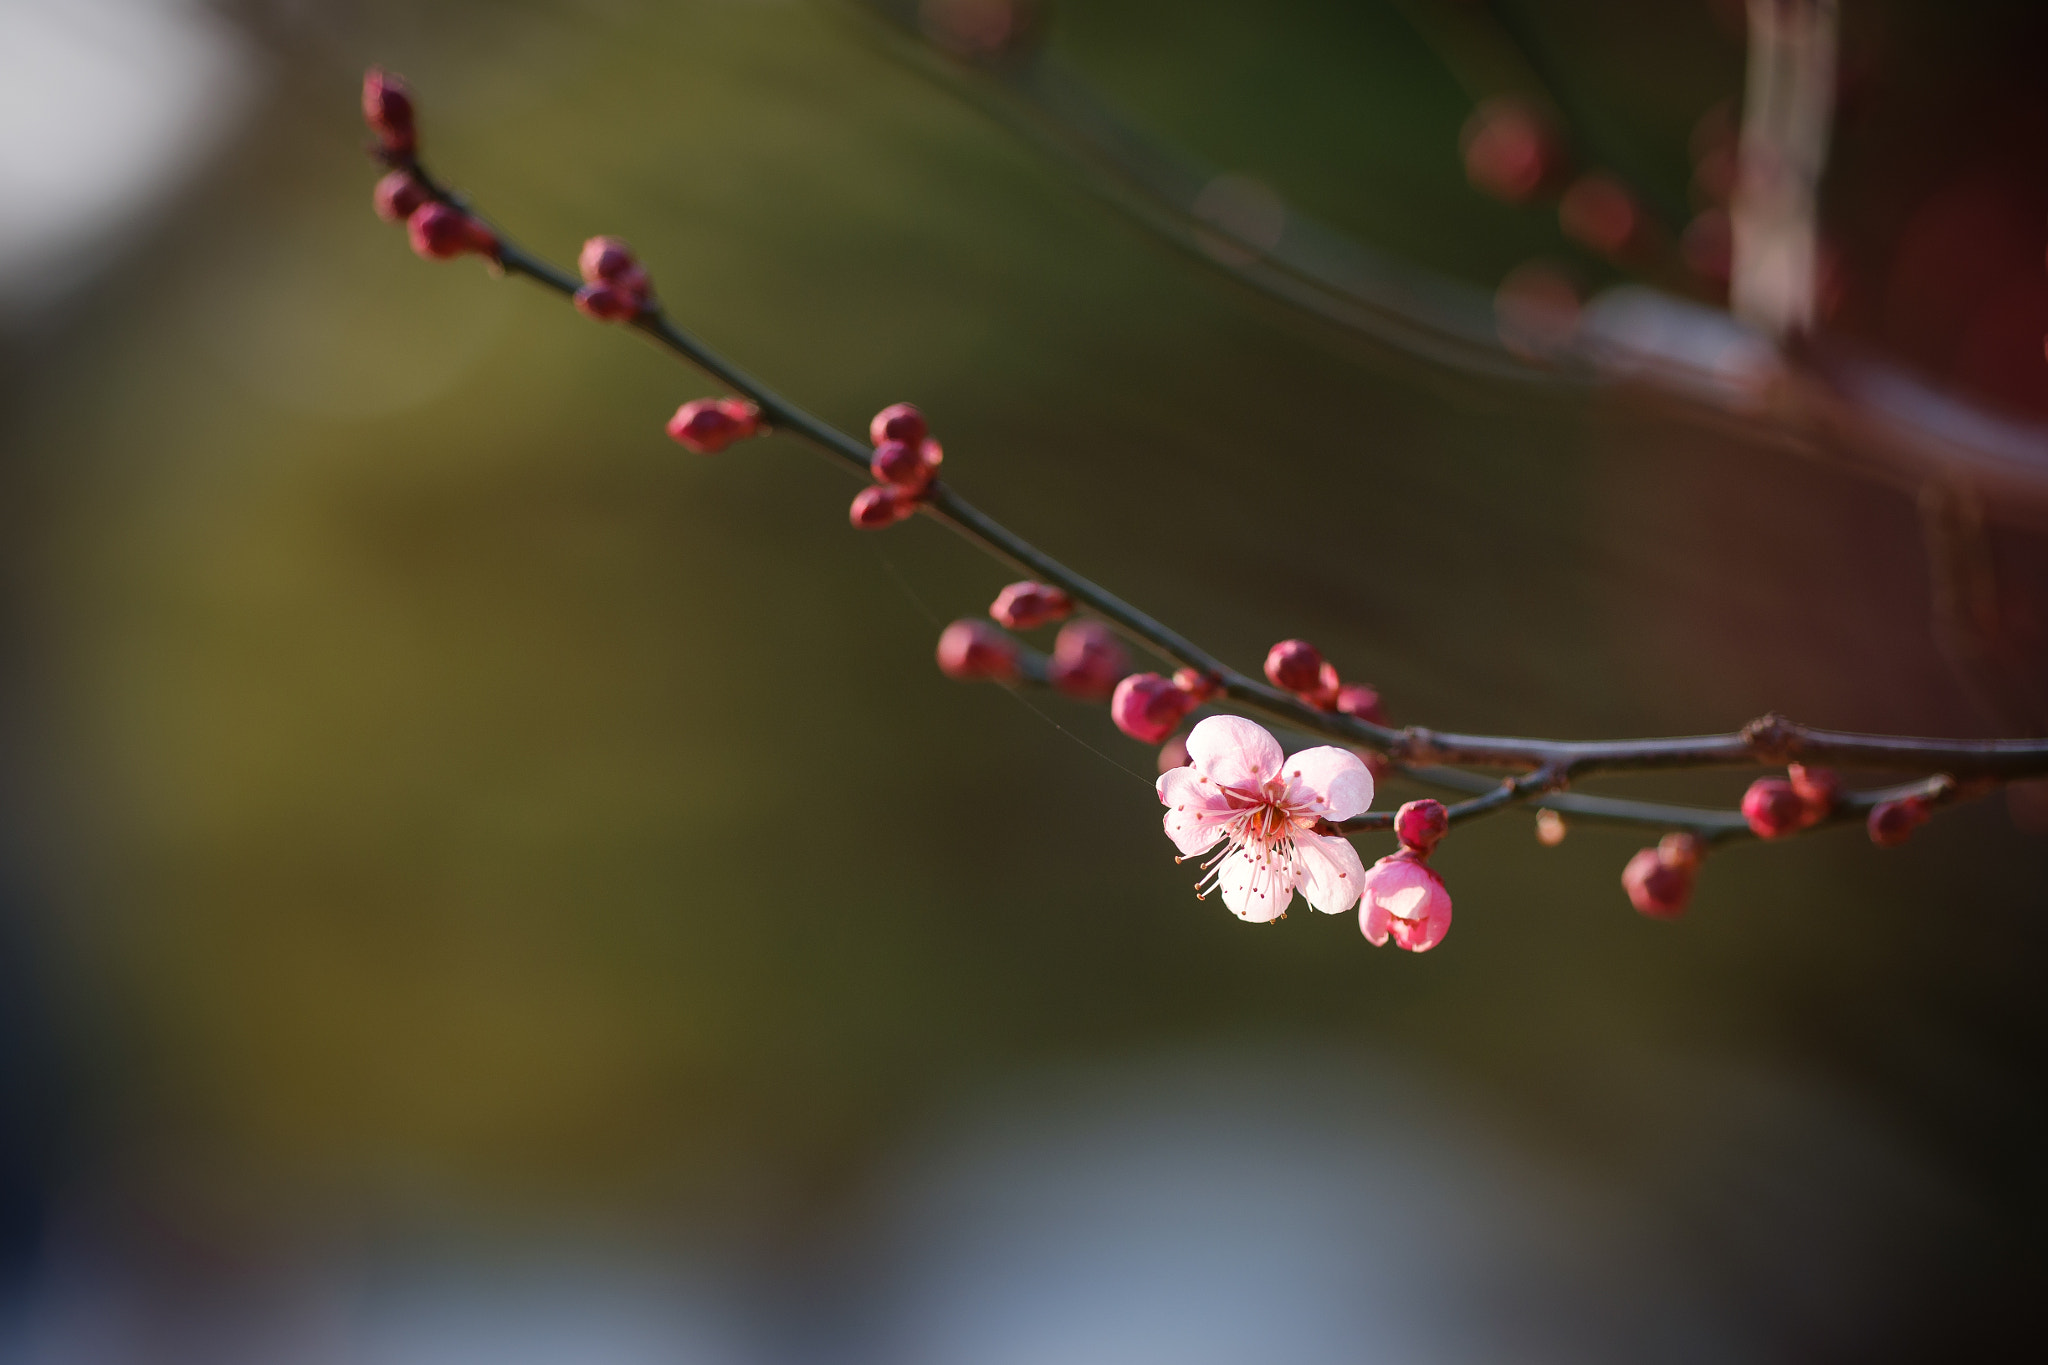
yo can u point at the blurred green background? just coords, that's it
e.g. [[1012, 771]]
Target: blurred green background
[[448, 794]]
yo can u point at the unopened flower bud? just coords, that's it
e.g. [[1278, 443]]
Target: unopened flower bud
[[1174, 753], [607, 302], [898, 422], [1773, 809], [709, 425], [606, 258], [1404, 899], [1295, 665], [1087, 661], [1550, 828], [1147, 707], [1198, 686], [973, 651], [1028, 605], [1510, 151], [1659, 880], [387, 108], [397, 195], [1356, 699], [1328, 688], [906, 464], [1818, 788], [1420, 825], [441, 232], [879, 505], [1891, 823]]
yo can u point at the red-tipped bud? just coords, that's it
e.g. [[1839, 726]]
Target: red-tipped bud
[[709, 425], [397, 195], [1893, 822], [1147, 707], [1028, 605], [1420, 825], [1510, 151], [974, 651], [441, 232], [608, 302], [1087, 660], [881, 504], [1198, 686], [898, 422], [1818, 788], [1356, 699], [607, 259], [1174, 753], [387, 108], [906, 464], [1773, 808], [1599, 212], [1659, 880], [1295, 665]]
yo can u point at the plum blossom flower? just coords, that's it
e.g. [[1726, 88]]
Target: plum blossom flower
[[1403, 898], [1239, 792]]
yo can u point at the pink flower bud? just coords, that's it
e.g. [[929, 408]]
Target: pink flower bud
[[1891, 823], [709, 425], [1356, 699], [1773, 808], [1510, 151], [1327, 689], [1295, 665], [397, 195], [1599, 212], [607, 259], [1406, 900], [1818, 789], [1087, 660], [898, 422], [1198, 686], [1420, 825], [441, 232], [881, 504], [1147, 707], [1659, 880], [1028, 605], [1174, 753], [906, 464], [971, 651], [387, 108], [608, 302]]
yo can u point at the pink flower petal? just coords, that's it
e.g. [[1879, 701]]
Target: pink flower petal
[[1256, 888], [1195, 812], [1335, 779], [1233, 752], [1331, 875], [1372, 922]]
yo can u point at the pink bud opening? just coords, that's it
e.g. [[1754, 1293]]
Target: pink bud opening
[[1356, 699], [1028, 605], [1891, 823], [1147, 707], [1421, 825], [397, 195], [1087, 661], [1295, 665], [605, 258], [1405, 900], [387, 108], [881, 504], [906, 464], [898, 422], [1773, 809], [974, 651], [709, 425], [441, 232]]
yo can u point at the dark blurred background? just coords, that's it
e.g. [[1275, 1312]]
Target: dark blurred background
[[481, 883]]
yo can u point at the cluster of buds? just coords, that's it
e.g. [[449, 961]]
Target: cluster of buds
[[438, 231], [1297, 666], [905, 461], [1659, 880], [709, 425], [1149, 706], [1403, 897], [615, 285], [1776, 807], [1087, 656]]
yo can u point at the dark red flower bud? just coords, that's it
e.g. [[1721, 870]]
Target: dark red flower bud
[[387, 108], [397, 195], [898, 422], [1420, 825], [1147, 707], [905, 464], [881, 504], [1599, 212], [709, 425], [1087, 660], [1773, 808], [1295, 665], [1891, 823], [1356, 699], [1198, 685], [441, 232], [607, 259], [1659, 880], [1028, 605], [1511, 152], [972, 651], [1817, 787], [608, 303]]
